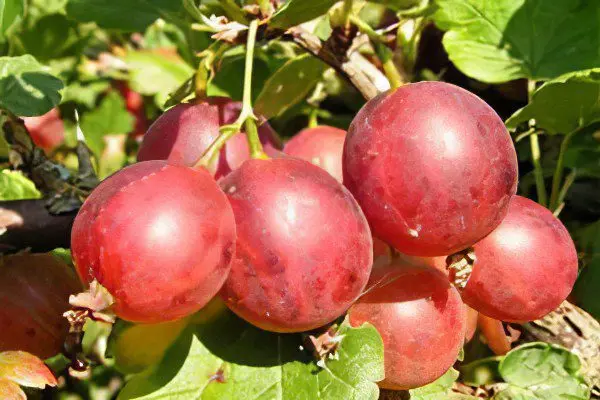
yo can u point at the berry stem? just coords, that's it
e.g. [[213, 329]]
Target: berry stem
[[313, 118], [247, 119], [205, 70], [537, 169], [558, 172], [563, 192], [538, 172], [226, 133], [384, 53], [256, 149], [346, 12]]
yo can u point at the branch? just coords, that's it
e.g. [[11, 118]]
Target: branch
[[28, 224], [363, 75]]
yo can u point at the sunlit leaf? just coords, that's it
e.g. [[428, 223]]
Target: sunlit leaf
[[26, 88], [502, 40], [25, 369], [15, 186]]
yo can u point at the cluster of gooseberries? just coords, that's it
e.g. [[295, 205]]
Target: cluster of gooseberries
[[292, 242]]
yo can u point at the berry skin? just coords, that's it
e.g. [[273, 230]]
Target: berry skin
[[182, 134], [322, 146], [421, 319], [47, 131], [432, 166], [525, 268], [34, 293], [159, 237], [440, 264], [134, 102], [304, 249]]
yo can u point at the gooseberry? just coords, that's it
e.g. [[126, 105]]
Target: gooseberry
[[159, 237], [304, 249], [183, 133], [34, 293], [322, 145], [421, 319], [521, 271], [432, 166]]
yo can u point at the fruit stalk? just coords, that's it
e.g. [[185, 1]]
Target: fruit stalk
[[538, 171], [247, 117], [385, 54], [558, 172]]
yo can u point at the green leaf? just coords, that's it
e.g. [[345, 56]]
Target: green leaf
[[588, 238], [543, 371], [153, 73], [295, 12], [564, 104], [15, 186], [85, 94], [583, 153], [230, 359], [26, 89], [110, 118], [229, 79], [437, 390], [63, 254], [588, 282], [586, 287], [11, 11], [39, 8], [481, 372], [50, 37], [502, 40], [398, 5], [125, 15], [289, 85]]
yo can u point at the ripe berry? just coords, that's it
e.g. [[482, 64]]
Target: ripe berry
[[47, 131], [421, 319], [182, 134], [134, 102], [304, 249], [322, 146], [159, 237], [524, 269], [34, 293], [440, 264], [432, 166]]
